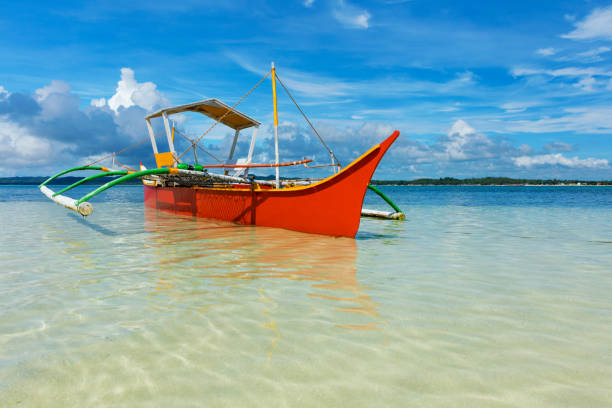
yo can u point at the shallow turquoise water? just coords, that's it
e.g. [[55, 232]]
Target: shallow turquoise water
[[485, 296]]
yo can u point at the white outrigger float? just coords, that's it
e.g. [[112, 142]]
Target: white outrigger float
[[329, 206]]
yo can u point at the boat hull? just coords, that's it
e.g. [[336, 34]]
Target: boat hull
[[331, 206]]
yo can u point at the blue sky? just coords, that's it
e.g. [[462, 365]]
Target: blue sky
[[522, 89]]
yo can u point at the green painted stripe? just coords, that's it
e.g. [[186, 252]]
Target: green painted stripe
[[61, 173], [119, 181], [384, 197], [86, 179]]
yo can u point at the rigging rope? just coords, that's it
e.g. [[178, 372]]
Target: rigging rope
[[310, 123], [119, 152], [195, 142], [124, 166], [224, 115], [197, 145]]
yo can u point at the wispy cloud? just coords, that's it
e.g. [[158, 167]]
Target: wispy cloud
[[351, 16], [516, 107], [597, 25], [448, 109], [590, 79], [568, 72], [546, 52], [558, 147], [587, 84], [321, 87], [308, 3], [594, 120], [589, 56], [304, 83], [593, 55]]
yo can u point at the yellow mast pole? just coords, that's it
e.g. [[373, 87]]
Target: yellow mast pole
[[275, 124]]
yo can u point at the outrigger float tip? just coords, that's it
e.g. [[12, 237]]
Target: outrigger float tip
[[390, 215]]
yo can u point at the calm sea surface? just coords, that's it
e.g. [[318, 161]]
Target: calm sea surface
[[484, 296]]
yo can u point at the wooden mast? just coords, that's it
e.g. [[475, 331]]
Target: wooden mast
[[275, 124]]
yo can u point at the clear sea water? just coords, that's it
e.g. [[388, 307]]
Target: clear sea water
[[483, 297]]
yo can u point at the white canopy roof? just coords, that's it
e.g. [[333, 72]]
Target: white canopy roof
[[215, 109]]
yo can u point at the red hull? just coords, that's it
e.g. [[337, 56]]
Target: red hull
[[331, 206]]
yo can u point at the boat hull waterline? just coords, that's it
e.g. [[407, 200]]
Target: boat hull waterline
[[331, 207]]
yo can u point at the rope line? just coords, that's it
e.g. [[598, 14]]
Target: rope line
[[319, 165], [124, 150], [124, 166], [119, 152], [309, 122], [224, 115], [197, 145], [250, 166]]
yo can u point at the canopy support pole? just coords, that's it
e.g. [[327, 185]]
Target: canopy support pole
[[152, 136], [252, 146], [231, 153], [169, 137]]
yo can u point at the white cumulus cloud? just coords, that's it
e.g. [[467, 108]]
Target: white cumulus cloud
[[558, 159], [19, 147], [98, 102], [597, 25], [129, 92], [56, 100], [463, 142], [55, 87]]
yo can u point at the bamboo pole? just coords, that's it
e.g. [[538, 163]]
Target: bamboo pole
[[384, 197], [86, 179], [275, 124], [61, 173]]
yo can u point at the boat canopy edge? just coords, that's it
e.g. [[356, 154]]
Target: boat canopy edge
[[214, 109]]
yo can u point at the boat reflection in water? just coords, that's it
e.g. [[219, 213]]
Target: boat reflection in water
[[201, 255]]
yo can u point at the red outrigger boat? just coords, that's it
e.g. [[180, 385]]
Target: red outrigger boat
[[331, 206]]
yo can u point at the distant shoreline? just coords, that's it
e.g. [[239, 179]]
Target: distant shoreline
[[491, 181], [445, 181]]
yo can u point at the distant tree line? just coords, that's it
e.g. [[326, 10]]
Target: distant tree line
[[485, 181], [444, 181], [68, 180]]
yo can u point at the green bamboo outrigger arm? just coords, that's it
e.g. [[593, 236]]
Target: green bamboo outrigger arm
[[384, 197], [119, 181], [61, 173], [86, 179]]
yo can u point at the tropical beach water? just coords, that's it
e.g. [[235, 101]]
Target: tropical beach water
[[484, 296]]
